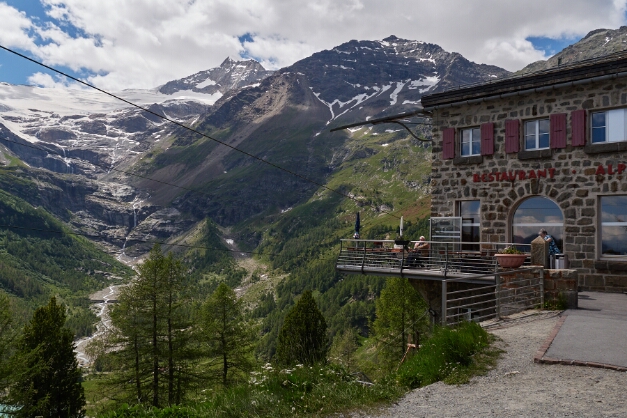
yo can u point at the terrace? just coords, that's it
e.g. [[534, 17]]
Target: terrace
[[470, 262]]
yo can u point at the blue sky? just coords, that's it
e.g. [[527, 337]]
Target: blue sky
[[122, 43], [16, 70]]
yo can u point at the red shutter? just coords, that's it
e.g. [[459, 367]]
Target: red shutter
[[558, 130], [512, 136], [487, 139], [578, 125], [448, 143]]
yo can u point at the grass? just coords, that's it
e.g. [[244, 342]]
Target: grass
[[452, 355], [300, 391]]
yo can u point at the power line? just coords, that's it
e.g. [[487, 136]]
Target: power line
[[182, 126]]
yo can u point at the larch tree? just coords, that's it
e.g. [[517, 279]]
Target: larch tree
[[7, 334], [228, 337], [48, 380], [303, 336], [400, 312], [151, 331]]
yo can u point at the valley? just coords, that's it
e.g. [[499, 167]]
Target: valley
[[253, 191]]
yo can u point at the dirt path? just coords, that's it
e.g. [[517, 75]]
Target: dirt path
[[518, 387]]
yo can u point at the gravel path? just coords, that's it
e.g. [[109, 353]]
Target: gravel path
[[518, 387]]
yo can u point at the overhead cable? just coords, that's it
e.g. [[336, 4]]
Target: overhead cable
[[182, 126]]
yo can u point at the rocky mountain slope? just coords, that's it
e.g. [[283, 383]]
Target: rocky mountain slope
[[88, 144], [595, 44]]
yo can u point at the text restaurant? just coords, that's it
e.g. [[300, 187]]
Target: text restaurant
[[542, 151]]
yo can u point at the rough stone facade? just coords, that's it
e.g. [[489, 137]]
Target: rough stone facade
[[572, 178]]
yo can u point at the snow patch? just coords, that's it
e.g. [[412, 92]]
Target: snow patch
[[207, 82], [394, 95], [426, 83]]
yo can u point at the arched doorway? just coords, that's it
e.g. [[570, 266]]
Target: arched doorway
[[534, 214]]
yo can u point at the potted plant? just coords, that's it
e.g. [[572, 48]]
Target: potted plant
[[510, 257]]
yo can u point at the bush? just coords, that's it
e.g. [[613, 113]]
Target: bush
[[448, 354]]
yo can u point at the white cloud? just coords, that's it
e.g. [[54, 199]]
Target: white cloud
[[46, 80], [14, 28], [144, 43]]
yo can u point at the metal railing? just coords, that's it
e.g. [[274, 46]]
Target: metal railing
[[509, 294], [446, 259]]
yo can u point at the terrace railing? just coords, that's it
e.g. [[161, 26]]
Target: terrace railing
[[442, 260], [513, 291]]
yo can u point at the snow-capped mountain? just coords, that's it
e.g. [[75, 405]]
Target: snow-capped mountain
[[389, 75], [230, 75], [84, 139]]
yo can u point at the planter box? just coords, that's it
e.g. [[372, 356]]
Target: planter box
[[511, 261]]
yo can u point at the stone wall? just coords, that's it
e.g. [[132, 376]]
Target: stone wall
[[561, 284], [572, 180]]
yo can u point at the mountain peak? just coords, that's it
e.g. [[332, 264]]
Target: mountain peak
[[393, 38], [595, 44], [231, 74]]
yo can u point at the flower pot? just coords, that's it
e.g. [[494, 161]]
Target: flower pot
[[511, 261]]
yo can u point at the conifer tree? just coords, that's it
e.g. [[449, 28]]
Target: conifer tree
[[48, 382], [229, 338], [400, 312], [343, 348], [303, 336], [6, 338], [151, 332]]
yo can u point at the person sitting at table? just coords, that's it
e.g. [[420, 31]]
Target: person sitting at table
[[421, 248]]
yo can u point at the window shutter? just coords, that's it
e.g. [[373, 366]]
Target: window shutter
[[487, 139], [512, 136], [558, 130], [448, 143], [578, 125]]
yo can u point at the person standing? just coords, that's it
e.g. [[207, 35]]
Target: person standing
[[552, 245]]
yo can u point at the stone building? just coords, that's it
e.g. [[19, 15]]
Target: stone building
[[543, 150]]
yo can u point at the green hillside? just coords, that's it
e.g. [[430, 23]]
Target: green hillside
[[36, 264], [385, 172]]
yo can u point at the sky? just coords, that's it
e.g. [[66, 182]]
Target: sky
[[121, 44]]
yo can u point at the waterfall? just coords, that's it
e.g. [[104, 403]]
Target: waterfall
[[69, 169], [134, 217]]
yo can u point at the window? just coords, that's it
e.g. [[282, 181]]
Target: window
[[609, 126], [471, 142], [534, 214], [470, 211], [614, 225], [537, 134]]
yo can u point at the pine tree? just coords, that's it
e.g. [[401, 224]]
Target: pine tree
[[400, 312], [48, 383], [229, 338], [303, 336]]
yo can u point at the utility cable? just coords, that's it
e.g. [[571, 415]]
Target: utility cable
[[182, 126]]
